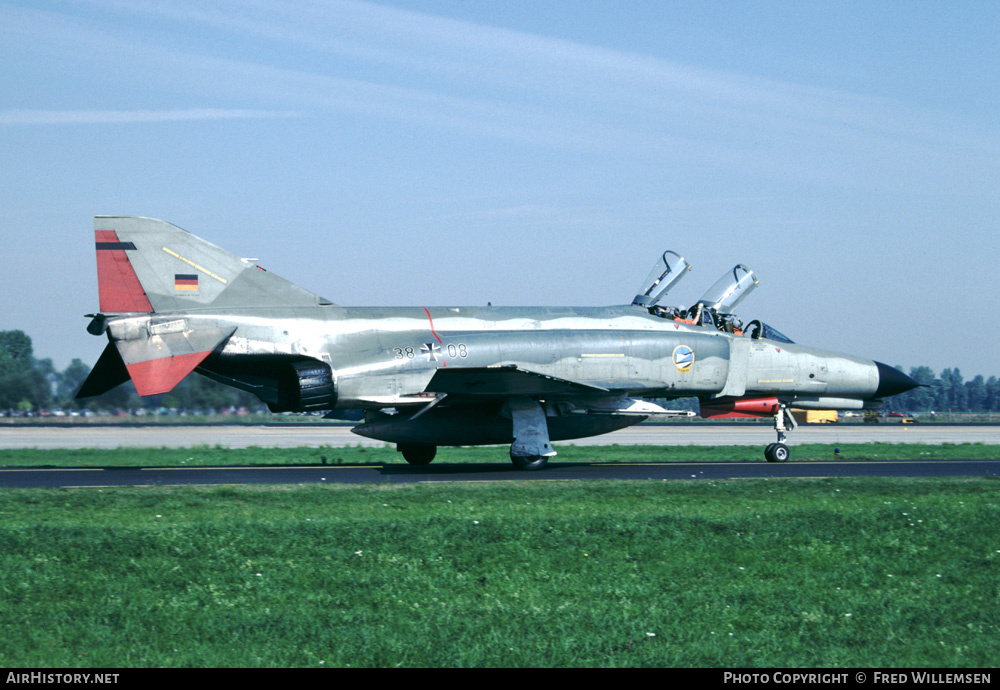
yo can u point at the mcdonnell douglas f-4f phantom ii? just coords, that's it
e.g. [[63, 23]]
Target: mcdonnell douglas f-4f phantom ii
[[172, 304]]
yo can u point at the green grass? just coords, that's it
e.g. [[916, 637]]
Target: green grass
[[804, 573], [358, 455]]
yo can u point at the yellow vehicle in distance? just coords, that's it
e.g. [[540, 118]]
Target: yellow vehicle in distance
[[816, 416]]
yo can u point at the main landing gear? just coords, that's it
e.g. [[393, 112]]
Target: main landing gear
[[531, 448], [416, 454], [778, 452]]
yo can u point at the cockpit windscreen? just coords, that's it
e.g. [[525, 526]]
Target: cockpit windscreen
[[774, 334]]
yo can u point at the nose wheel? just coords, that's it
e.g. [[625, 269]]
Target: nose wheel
[[778, 452]]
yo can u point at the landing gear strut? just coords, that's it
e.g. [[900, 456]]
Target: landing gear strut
[[778, 452]]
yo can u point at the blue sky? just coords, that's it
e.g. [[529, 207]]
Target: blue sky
[[523, 153]]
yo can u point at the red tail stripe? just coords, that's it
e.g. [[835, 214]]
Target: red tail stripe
[[117, 285]]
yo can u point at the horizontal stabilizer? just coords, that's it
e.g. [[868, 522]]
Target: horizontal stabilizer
[[158, 363], [162, 375], [108, 373], [155, 365], [505, 382]]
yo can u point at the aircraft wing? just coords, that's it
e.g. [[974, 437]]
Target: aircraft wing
[[505, 382]]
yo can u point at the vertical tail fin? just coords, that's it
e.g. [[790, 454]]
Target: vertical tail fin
[[146, 265]]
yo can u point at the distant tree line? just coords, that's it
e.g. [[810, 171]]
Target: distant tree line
[[29, 384], [948, 392]]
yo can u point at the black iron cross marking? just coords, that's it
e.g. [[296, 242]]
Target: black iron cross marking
[[431, 351]]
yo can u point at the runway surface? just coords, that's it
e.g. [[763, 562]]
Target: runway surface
[[486, 472], [237, 437], [315, 436]]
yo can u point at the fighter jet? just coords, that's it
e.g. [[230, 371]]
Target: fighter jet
[[422, 377]]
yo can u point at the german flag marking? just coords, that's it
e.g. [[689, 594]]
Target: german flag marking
[[186, 282]]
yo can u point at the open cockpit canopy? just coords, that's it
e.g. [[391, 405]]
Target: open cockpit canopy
[[716, 307], [729, 290], [666, 273]]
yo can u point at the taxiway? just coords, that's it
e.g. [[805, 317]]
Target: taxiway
[[322, 435]]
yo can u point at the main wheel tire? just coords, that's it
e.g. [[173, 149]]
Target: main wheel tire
[[777, 452], [529, 462], [416, 454]]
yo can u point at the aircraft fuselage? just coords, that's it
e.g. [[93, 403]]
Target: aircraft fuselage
[[172, 303], [386, 356]]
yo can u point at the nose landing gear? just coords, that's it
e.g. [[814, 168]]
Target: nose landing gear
[[776, 452]]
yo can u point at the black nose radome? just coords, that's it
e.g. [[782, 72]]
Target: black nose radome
[[891, 381]]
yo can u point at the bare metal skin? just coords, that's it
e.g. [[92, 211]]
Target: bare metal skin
[[172, 304]]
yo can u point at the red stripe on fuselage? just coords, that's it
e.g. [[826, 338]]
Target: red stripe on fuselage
[[426, 311], [444, 362], [118, 287]]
